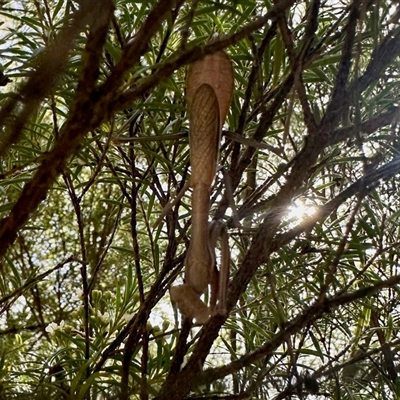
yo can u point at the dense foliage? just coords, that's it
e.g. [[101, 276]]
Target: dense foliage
[[94, 145]]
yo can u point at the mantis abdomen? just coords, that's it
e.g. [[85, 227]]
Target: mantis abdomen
[[204, 139]]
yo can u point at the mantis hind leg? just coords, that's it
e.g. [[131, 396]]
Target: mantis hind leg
[[220, 279]]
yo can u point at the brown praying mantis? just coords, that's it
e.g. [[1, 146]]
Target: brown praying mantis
[[209, 93]]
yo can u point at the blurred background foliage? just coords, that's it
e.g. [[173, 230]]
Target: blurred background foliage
[[310, 150]]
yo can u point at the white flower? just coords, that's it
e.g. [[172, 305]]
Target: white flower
[[127, 317], [52, 327], [79, 293], [105, 318]]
